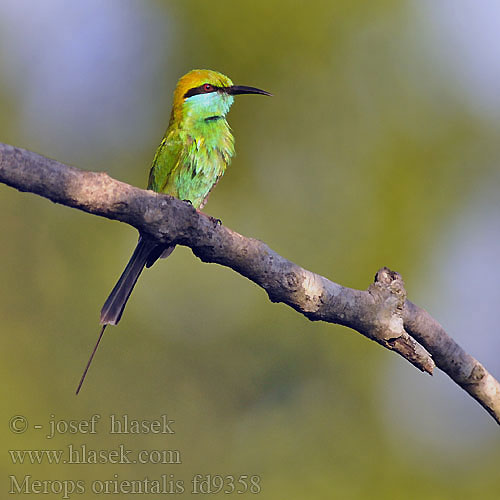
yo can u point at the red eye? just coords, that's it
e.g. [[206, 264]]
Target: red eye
[[207, 87]]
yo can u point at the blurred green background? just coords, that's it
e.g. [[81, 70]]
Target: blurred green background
[[379, 147]]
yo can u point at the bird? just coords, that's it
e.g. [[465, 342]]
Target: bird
[[192, 157]]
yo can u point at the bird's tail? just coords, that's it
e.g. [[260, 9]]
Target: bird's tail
[[112, 309], [145, 254]]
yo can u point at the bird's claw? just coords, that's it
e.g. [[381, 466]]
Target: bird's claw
[[215, 222]]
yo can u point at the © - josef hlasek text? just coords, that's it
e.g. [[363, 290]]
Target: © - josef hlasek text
[[118, 424]]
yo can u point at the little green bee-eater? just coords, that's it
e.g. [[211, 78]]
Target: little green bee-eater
[[192, 157]]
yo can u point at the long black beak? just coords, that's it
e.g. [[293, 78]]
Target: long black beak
[[242, 89]]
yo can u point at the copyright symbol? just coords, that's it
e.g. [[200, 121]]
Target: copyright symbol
[[18, 424]]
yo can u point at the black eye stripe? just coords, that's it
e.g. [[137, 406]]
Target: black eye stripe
[[201, 90]]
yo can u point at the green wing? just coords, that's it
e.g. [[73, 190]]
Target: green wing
[[167, 161]]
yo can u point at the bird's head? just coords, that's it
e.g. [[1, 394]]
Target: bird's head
[[203, 94]]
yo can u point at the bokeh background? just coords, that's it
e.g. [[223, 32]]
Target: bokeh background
[[380, 147]]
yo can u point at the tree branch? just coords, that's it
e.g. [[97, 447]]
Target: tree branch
[[381, 313]]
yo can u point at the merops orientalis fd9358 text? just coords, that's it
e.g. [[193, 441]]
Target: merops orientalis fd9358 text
[[191, 159]]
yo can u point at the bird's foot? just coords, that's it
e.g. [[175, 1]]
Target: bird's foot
[[215, 222]]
